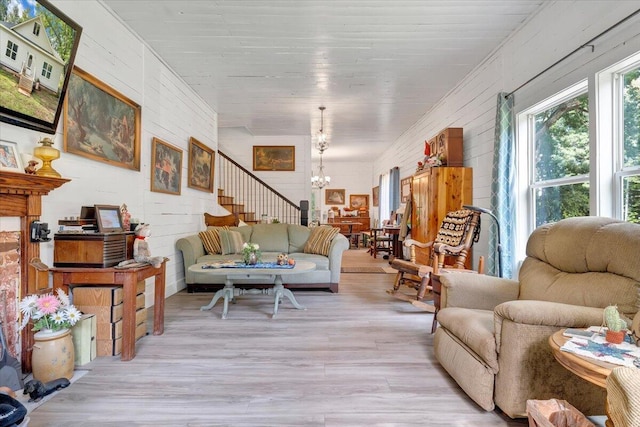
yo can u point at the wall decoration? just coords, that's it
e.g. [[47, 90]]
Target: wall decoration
[[9, 157], [166, 173], [274, 158], [334, 197], [357, 201], [100, 123], [375, 191], [405, 189], [201, 164]]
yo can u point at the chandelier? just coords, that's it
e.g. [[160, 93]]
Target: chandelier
[[320, 180], [321, 142]]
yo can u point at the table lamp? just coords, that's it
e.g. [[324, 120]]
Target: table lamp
[[47, 153]]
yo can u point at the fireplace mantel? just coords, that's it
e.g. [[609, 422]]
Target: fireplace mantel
[[21, 196]]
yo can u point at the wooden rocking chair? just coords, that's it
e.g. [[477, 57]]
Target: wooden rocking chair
[[458, 232]]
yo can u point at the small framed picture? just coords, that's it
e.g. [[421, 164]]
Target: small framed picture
[[166, 173], [109, 219], [375, 192], [334, 197], [357, 201], [9, 157], [201, 166]]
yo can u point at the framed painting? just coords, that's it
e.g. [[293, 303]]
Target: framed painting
[[9, 157], [166, 173], [274, 158], [100, 123], [357, 201], [375, 192], [201, 166], [334, 197], [405, 189]]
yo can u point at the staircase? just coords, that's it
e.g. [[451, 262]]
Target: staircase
[[253, 200]]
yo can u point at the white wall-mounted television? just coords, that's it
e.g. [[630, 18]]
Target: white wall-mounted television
[[38, 45]]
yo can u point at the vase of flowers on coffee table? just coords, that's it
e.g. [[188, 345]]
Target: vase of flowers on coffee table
[[251, 254]]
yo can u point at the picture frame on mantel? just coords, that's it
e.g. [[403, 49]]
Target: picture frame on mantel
[[100, 123], [201, 166], [274, 158], [166, 170], [9, 157]]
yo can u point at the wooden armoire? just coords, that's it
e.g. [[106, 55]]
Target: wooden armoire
[[436, 191]]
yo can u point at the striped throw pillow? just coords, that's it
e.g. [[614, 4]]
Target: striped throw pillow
[[231, 242], [211, 239], [320, 240]]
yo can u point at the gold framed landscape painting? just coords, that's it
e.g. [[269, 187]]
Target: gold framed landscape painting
[[201, 165], [357, 201], [274, 158], [166, 173], [100, 123]]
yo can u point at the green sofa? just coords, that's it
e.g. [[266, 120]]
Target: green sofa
[[273, 240]]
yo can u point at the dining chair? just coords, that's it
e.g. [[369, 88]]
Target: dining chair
[[380, 241]]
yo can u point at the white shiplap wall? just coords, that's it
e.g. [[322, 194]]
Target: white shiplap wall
[[170, 111], [558, 28]]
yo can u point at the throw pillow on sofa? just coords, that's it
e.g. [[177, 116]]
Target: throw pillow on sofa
[[320, 240], [211, 240], [230, 242]]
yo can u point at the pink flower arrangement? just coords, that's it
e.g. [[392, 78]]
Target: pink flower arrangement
[[49, 311]]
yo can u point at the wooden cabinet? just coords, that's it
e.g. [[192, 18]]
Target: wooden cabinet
[[436, 191], [358, 224], [448, 146]]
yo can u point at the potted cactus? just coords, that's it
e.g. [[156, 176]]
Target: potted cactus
[[616, 325]]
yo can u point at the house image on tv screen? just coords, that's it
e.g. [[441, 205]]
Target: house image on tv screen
[[27, 51]]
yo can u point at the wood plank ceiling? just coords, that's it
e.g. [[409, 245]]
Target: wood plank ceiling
[[377, 65]]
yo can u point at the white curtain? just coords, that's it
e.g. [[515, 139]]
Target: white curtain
[[385, 197]]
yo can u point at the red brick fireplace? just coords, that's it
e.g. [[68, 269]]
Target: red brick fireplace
[[21, 196]]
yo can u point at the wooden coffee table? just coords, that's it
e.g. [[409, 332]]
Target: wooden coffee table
[[229, 292], [592, 370]]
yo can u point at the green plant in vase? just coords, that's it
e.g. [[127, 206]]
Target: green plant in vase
[[616, 325], [251, 254]]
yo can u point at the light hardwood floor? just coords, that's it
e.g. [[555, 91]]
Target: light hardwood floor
[[356, 358]]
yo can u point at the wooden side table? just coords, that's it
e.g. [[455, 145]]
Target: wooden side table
[[128, 279], [594, 371]]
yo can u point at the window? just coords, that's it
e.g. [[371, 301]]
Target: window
[[558, 156], [36, 28], [569, 164], [12, 49], [628, 174], [46, 70]]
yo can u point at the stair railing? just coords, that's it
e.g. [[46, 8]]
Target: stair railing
[[255, 195]]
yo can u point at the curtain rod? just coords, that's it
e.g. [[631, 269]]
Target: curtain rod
[[587, 44]]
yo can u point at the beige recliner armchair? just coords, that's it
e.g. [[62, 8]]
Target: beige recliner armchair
[[493, 334]]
